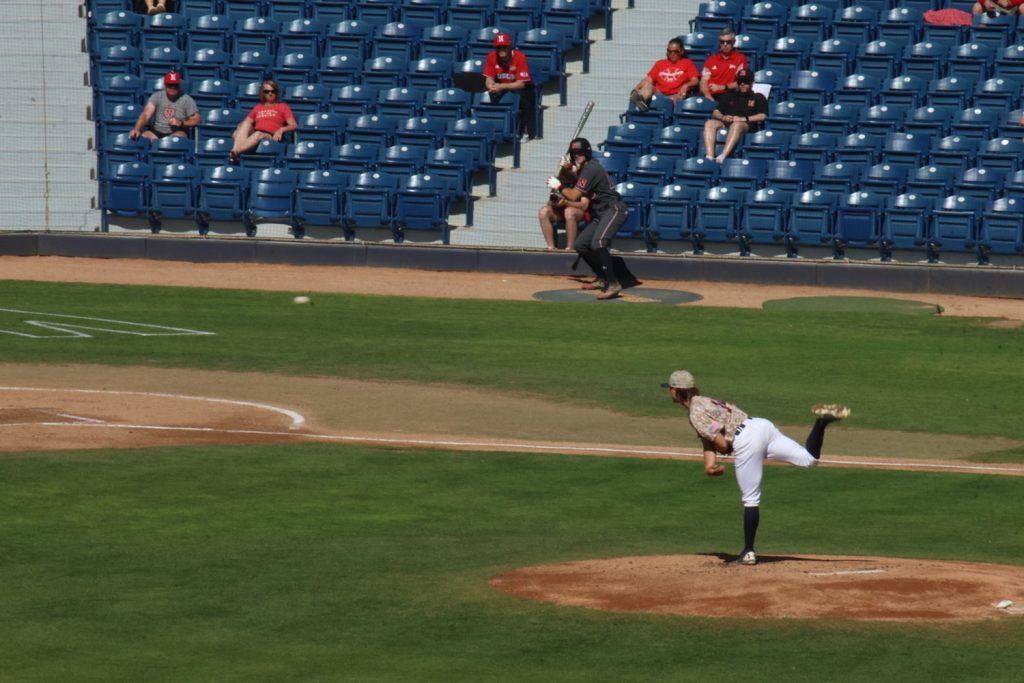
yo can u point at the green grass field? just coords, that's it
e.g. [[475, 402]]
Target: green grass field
[[323, 561]]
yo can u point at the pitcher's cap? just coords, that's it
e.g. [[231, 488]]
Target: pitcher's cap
[[680, 379]]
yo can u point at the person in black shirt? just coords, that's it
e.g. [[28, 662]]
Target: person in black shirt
[[593, 192], [742, 110]]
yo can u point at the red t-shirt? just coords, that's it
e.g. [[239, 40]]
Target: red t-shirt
[[722, 70], [268, 118], [669, 78], [517, 70]]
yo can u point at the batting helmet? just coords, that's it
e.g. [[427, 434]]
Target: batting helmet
[[581, 146]]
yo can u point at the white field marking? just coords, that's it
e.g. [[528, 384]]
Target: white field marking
[[79, 418], [297, 419], [848, 571], [518, 446], [72, 330]]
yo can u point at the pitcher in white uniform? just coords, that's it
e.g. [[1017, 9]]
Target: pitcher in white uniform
[[724, 428]]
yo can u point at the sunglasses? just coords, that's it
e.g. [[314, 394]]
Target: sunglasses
[[269, 92], [171, 85], [674, 51], [726, 42]]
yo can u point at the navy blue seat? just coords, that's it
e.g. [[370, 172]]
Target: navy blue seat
[[377, 11], [395, 39], [1010, 63], [120, 119], [350, 37], [971, 61], [909, 150], [241, 8], [1010, 126], [518, 15], [777, 79], [458, 164], [444, 40], [837, 177], [810, 220], [765, 145], [788, 54], [979, 183], [1000, 92], [421, 131], [716, 15], [789, 117], [925, 60], [810, 21], [213, 152], [319, 199], [247, 95], [814, 147], [322, 127], [369, 200], [670, 216], [353, 157], [838, 119], [976, 123], [880, 119], [472, 132], [208, 31], [932, 181], [995, 30], [251, 65], [206, 62], [616, 164], [953, 151], [401, 160], [954, 222], [307, 155], [652, 170], [858, 148], [222, 195], [763, 218], [270, 197], [930, 120], [309, 98], [384, 72], [858, 222], [858, 90], [423, 202], [1002, 228], [906, 223], [121, 89], [904, 91], [371, 129], [214, 93], [570, 17], [448, 104], [301, 35], [764, 19], [902, 25], [1001, 154], [885, 179], [693, 112], [743, 174], [696, 172], [174, 193], [429, 73], [163, 30], [116, 60], [119, 27], [172, 149], [330, 11], [254, 33], [296, 68], [879, 58], [122, 149], [285, 10], [833, 55], [422, 12], [637, 198], [197, 8], [675, 141], [717, 216], [471, 14], [352, 100], [856, 23], [811, 86], [267, 154], [126, 191]]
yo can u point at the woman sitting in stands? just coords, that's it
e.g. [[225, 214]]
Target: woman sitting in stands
[[270, 119]]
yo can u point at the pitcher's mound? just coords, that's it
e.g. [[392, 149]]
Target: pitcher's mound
[[801, 586]]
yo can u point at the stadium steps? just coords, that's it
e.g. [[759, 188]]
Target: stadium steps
[[510, 218], [44, 135]]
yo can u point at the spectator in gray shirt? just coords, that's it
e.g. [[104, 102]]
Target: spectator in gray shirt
[[168, 112]]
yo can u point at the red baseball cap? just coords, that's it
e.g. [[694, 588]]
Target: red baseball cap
[[172, 78], [502, 40]]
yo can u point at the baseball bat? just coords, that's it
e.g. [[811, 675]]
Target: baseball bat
[[579, 129]]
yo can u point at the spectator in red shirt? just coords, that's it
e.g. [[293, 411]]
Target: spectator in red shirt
[[271, 118], [993, 7], [720, 69], [506, 70], [675, 76]]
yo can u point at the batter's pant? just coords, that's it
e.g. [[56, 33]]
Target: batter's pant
[[592, 244], [760, 440]]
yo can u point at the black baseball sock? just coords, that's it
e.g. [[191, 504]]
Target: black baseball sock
[[604, 257], [751, 518], [816, 438], [590, 259]]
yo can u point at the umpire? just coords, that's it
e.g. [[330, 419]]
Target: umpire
[[593, 192]]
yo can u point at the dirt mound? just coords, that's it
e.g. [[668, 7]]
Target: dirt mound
[[798, 586]]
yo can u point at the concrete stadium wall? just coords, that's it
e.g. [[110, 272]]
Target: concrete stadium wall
[[994, 281]]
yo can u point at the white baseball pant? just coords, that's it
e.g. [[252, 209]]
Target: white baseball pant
[[761, 440]]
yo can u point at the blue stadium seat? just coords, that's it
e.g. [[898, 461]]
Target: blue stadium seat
[[837, 178], [901, 25], [906, 223], [659, 113], [1001, 154], [159, 60], [241, 8], [369, 200], [953, 151], [371, 129], [811, 86], [1014, 185], [789, 117], [693, 112], [286, 10], [545, 53], [833, 55], [460, 162], [307, 155], [474, 133], [1002, 228], [717, 216], [999, 92], [420, 131], [810, 220], [122, 89], [570, 16], [471, 14], [652, 170], [296, 68], [616, 164], [198, 8], [444, 40], [909, 150], [222, 195], [206, 62], [377, 11], [696, 172], [976, 123], [251, 65], [904, 91], [518, 15], [925, 60], [858, 90], [384, 72], [448, 104], [174, 193], [429, 73], [301, 35], [743, 174], [855, 23], [422, 13], [208, 31], [353, 157], [173, 149], [996, 30], [352, 100], [777, 79], [838, 119], [319, 200], [814, 147], [214, 93], [270, 197], [880, 119], [310, 98], [954, 222], [637, 197], [676, 142], [254, 33], [163, 30], [126, 191], [716, 15], [120, 119], [670, 216], [858, 148], [402, 160], [322, 127], [116, 60], [268, 154], [247, 95], [395, 39], [787, 54], [932, 181], [879, 58], [763, 218], [764, 145], [422, 202], [213, 152], [338, 71], [858, 222], [351, 38], [811, 21], [971, 61], [788, 175], [630, 138], [947, 34], [115, 28], [979, 183], [1010, 63], [885, 179], [764, 19], [331, 11], [929, 120]]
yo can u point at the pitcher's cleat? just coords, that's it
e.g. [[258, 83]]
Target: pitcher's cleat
[[831, 411]]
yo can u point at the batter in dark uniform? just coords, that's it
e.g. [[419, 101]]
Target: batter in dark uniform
[[593, 191]]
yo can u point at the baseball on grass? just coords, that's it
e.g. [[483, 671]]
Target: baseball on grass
[[301, 299]]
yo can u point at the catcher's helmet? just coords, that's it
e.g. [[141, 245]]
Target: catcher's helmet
[[581, 146]]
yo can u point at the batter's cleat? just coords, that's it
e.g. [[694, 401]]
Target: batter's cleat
[[831, 411], [749, 558], [612, 292], [594, 285]]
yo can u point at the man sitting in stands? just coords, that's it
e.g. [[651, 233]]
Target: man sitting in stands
[[508, 69], [675, 76], [168, 112], [742, 110], [720, 69]]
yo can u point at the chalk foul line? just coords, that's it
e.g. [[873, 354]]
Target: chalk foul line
[[70, 330]]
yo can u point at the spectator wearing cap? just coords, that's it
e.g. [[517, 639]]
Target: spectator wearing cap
[[675, 76], [720, 69], [271, 118], [742, 110], [168, 112], [995, 7], [507, 69]]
